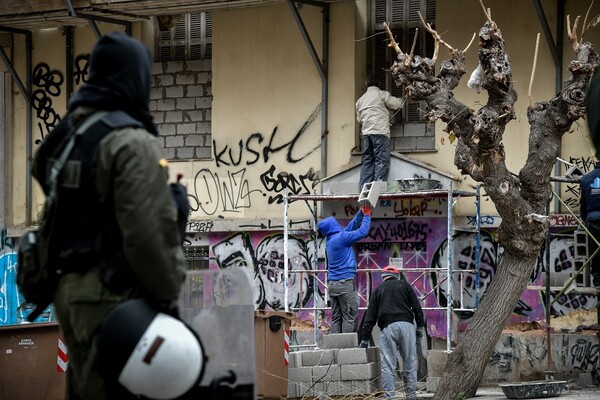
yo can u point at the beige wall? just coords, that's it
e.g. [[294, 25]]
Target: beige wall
[[519, 24], [267, 91], [48, 47], [266, 87]]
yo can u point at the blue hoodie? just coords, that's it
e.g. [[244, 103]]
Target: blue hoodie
[[341, 262]]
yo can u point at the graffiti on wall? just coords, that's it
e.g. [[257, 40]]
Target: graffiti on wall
[[261, 257], [13, 308], [572, 190], [47, 83], [231, 186], [584, 355], [422, 244]]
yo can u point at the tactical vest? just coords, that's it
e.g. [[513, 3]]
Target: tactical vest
[[87, 233]]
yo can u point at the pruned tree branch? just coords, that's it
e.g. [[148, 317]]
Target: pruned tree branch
[[572, 33]]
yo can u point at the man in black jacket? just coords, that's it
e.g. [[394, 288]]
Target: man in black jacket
[[394, 306]]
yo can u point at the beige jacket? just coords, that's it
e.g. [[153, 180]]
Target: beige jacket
[[372, 111]]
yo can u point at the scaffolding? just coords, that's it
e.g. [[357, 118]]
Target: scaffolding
[[450, 195]]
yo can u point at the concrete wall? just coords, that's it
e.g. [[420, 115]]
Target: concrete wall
[[181, 101], [523, 356]]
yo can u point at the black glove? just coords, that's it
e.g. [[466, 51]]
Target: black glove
[[364, 344], [419, 334]]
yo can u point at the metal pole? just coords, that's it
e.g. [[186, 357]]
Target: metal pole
[[449, 273], [547, 296], [315, 278], [285, 250], [477, 244]]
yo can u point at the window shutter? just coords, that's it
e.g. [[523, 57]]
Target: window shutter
[[190, 39], [403, 19]]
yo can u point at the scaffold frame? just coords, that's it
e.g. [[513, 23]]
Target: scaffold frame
[[450, 195]]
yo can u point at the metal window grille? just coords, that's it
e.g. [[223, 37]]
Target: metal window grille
[[196, 258]]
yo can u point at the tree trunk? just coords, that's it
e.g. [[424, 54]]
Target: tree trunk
[[469, 359], [520, 200]]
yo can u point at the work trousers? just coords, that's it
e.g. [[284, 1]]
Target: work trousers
[[375, 163], [344, 305], [81, 303], [399, 336]]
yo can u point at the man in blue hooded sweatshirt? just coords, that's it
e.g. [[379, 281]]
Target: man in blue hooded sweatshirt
[[341, 265]]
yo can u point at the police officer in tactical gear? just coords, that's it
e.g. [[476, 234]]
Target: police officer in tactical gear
[[118, 237]]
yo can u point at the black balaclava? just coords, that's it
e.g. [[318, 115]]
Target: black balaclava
[[119, 79]]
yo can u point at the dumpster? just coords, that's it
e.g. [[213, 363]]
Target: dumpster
[[29, 362], [271, 334]]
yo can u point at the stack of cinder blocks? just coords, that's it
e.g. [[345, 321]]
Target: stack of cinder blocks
[[340, 368]]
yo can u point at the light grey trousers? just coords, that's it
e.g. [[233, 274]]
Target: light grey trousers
[[344, 306], [399, 336]]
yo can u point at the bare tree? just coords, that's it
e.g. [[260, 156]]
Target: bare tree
[[521, 199]]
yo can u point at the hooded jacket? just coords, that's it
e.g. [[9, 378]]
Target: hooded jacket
[[130, 175], [341, 262]]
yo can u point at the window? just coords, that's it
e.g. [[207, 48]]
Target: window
[[409, 132], [190, 39]]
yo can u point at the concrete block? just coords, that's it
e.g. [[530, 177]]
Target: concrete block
[[292, 390], [373, 354], [326, 373], [342, 187], [436, 361], [370, 192], [165, 105], [165, 80], [174, 141], [204, 77], [174, 67], [301, 388], [195, 91], [198, 65], [295, 359], [366, 371], [174, 91], [356, 355], [340, 340], [183, 129], [432, 383], [585, 379], [203, 102], [317, 357], [186, 104], [157, 68], [203, 152], [185, 79], [174, 116], [300, 374], [184, 153], [156, 93]]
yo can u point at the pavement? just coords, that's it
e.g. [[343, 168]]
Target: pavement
[[589, 393]]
